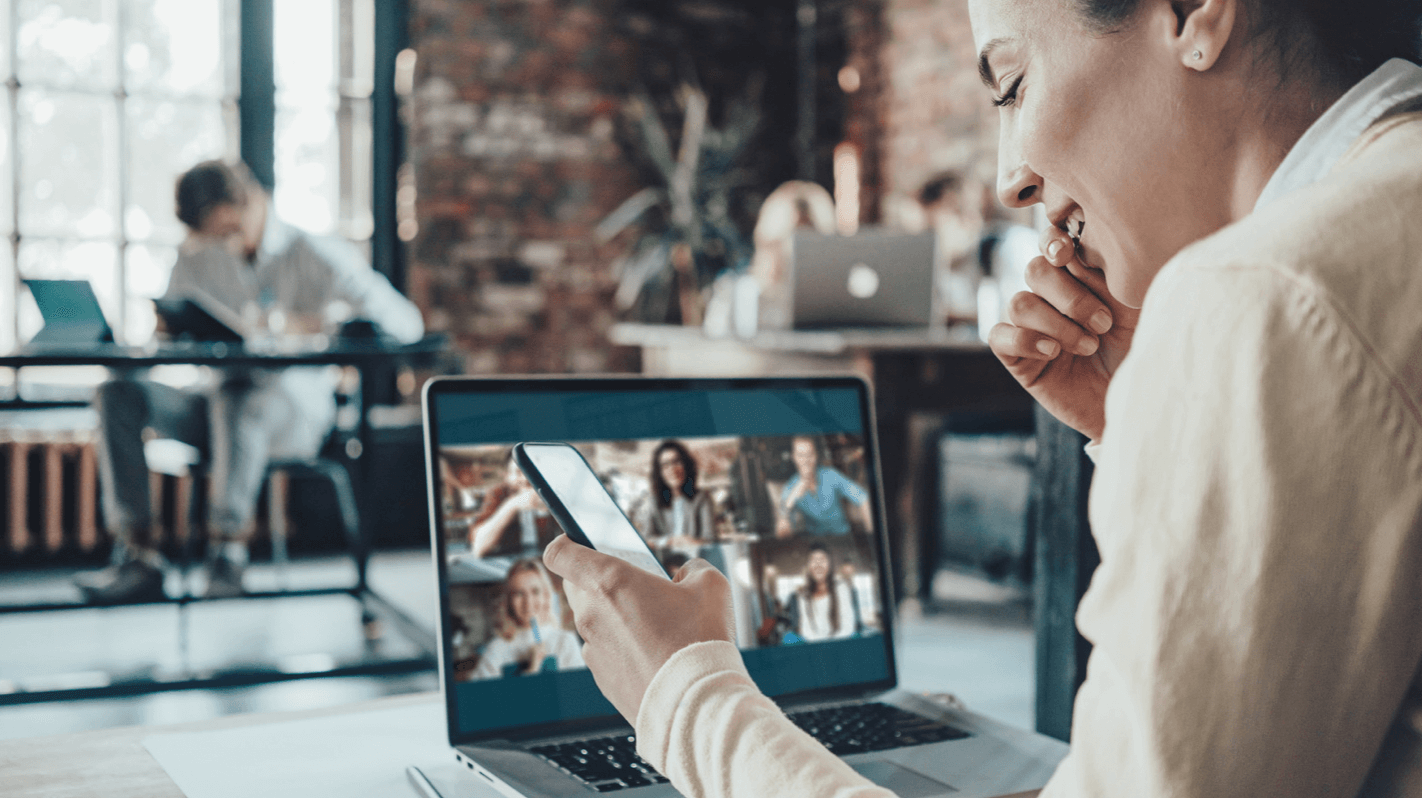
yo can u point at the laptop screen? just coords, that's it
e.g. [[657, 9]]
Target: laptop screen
[[772, 481]]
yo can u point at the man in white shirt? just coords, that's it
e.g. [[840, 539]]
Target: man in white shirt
[[251, 265]]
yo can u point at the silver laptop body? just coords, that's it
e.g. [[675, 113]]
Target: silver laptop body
[[874, 278], [743, 434]]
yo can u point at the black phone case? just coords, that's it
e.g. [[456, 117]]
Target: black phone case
[[556, 508]]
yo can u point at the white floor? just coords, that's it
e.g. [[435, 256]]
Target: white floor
[[976, 644]]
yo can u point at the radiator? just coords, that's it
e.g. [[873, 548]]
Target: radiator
[[50, 492]]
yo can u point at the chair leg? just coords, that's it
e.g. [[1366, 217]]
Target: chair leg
[[350, 516], [277, 483]]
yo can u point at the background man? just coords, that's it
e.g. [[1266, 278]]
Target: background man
[[240, 261]]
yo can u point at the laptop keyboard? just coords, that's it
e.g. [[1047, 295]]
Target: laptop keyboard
[[611, 763], [605, 763]]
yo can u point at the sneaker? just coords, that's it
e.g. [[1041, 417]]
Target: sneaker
[[128, 583], [224, 578]]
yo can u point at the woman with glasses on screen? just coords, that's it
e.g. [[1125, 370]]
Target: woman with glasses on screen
[[1230, 309]]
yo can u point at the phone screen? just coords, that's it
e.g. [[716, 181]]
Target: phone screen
[[591, 508]]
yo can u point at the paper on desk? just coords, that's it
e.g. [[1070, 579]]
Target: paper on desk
[[345, 756]]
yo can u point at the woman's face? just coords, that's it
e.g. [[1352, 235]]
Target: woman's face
[[805, 457], [819, 566], [672, 468], [528, 598], [1113, 132]]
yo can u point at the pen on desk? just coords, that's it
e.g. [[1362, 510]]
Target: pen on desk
[[421, 782]]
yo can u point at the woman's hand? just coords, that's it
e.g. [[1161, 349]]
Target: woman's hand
[[633, 621], [1065, 338], [536, 655]]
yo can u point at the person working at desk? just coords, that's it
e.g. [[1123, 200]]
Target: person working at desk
[[240, 255]]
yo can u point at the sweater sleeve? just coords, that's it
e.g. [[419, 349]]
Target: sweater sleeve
[[1258, 507], [705, 725]]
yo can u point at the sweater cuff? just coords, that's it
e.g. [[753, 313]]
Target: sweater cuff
[[672, 682], [1093, 448]]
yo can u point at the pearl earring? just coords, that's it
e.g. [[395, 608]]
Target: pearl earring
[[1197, 55]]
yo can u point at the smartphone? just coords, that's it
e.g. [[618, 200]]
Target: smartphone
[[582, 506]]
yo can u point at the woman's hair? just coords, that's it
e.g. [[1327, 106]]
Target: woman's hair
[[663, 492], [504, 623], [207, 185], [807, 591], [1350, 39]]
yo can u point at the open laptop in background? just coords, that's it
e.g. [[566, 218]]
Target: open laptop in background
[[186, 319], [524, 714], [872, 279], [71, 312]]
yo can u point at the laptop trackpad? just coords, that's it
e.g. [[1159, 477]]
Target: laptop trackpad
[[901, 781]]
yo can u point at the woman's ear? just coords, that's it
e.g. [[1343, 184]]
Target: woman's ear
[[1204, 28]]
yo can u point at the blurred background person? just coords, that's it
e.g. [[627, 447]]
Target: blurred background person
[[513, 521], [982, 252], [811, 503], [240, 261], [793, 205], [528, 636], [823, 607], [681, 513]]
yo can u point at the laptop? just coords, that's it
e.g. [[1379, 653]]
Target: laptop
[[71, 313], [873, 279], [524, 714]]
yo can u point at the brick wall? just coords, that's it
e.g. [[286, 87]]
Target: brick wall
[[937, 114], [511, 134]]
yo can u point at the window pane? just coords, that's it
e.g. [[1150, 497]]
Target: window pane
[[94, 261], [7, 297], [7, 177], [165, 139], [68, 173], [148, 271], [304, 43], [174, 46], [308, 166], [67, 43]]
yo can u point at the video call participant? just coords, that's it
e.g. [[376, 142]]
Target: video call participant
[[528, 636], [824, 607], [681, 512], [810, 503], [240, 254], [513, 521]]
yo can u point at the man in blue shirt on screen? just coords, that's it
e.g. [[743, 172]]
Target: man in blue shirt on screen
[[812, 502]]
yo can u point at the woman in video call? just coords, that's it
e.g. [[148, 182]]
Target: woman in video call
[[681, 512], [812, 502], [1230, 310], [528, 636], [513, 520], [823, 608]]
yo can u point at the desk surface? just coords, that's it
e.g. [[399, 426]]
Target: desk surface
[[814, 342], [112, 763], [218, 354]]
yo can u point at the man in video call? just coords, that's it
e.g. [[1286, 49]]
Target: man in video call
[[281, 281]]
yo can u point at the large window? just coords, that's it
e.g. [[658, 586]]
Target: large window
[[110, 100]]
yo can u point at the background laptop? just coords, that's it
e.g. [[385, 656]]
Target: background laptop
[[71, 313], [875, 278], [533, 723]]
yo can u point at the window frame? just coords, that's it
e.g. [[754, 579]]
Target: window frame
[[254, 107]]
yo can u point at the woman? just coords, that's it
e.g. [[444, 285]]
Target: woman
[[528, 637], [513, 520], [812, 502], [823, 608], [681, 512], [1235, 189]]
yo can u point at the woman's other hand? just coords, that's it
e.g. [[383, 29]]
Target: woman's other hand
[[633, 621], [1065, 338]]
